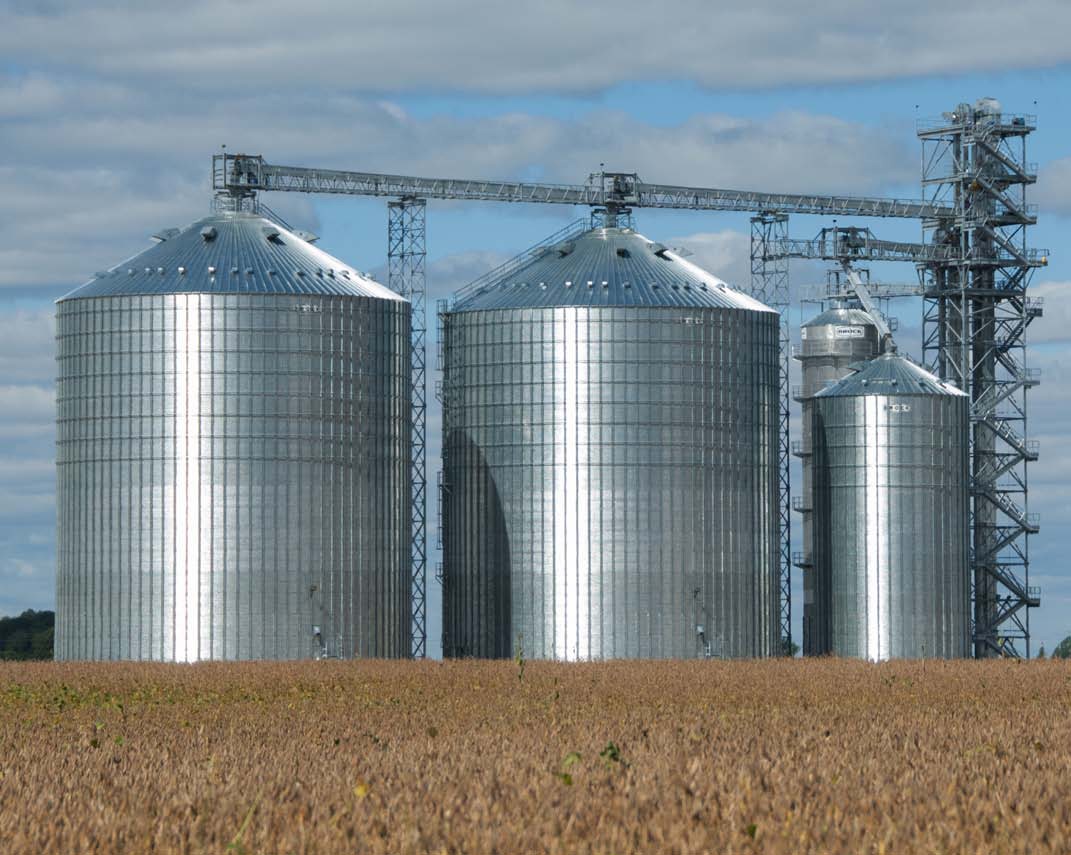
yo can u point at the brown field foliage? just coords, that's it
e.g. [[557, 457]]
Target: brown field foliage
[[505, 757]]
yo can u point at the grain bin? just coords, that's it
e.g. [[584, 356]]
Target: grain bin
[[233, 453], [830, 344], [890, 514], [610, 459]]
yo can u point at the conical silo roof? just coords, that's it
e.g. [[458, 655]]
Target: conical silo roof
[[889, 374], [232, 253], [607, 267]]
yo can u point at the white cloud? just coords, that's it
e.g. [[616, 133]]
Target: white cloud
[[726, 254], [1053, 190], [27, 405], [449, 274], [1049, 401], [26, 582], [102, 167], [20, 568], [28, 502], [1055, 324], [556, 45], [22, 470], [27, 346]]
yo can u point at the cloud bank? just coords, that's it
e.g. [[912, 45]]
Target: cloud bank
[[553, 46]]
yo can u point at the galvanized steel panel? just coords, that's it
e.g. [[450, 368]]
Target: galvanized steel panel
[[890, 515]]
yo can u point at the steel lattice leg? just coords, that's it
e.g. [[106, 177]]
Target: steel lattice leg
[[406, 258], [769, 283]]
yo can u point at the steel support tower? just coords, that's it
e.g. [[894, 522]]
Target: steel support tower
[[769, 284], [975, 317], [406, 265]]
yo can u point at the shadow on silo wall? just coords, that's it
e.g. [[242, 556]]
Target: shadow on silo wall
[[477, 607]]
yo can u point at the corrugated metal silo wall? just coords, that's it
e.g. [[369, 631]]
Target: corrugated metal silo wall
[[827, 352], [233, 470], [890, 525], [610, 482]]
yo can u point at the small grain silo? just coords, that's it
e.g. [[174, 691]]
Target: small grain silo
[[610, 459], [233, 453], [890, 514], [830, 344]]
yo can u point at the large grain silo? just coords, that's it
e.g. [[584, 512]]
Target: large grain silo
[[830, 344], [890, 514], [610, 459], [233, 453]]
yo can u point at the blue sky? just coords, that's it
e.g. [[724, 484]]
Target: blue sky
[[109, 114]]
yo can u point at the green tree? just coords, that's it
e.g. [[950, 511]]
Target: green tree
[[1041, 652], [1063, 649], [28, 636], [42, 643]]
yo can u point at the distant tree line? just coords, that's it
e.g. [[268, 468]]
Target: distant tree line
[[1063, 649], [28, 636], [31, 634]]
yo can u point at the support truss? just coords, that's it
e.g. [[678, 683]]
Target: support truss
[[974, 335], [243, 172], [860, 245], [406, 258], [769, 283]]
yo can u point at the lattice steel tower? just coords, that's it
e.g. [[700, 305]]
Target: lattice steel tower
[[406, 256], [769, 284], [975, 317]]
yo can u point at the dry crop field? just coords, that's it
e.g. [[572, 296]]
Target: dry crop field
[[513, 757]]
